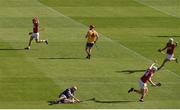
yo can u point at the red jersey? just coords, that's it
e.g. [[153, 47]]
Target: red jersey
[[170, 48], [35, 26], [148, 74]]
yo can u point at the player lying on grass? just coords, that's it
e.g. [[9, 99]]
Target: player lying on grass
[[92, 36], [143, 82], [66, 97], [170, 47], [35, 33]]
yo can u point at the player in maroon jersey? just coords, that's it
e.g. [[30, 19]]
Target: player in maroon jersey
[[170, 47], [143, 82], [35, 33]]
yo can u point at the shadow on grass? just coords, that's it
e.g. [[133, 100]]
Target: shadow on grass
[[94, 100], [9, 49], [63, 58], [166, 36], [131, 71], [113, 101]]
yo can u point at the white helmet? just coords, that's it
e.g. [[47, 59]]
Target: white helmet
[[155, 68], [171, 39]]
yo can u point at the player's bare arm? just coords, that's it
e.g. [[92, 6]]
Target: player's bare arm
[[162, 49], [76, 99], [97, 37], [152, 83]]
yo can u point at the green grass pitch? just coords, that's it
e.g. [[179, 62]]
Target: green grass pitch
[[131, 31]]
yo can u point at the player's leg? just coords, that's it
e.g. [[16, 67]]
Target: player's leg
[[164, 62], [144, 92], [89, 50], [138, 91], [69, 101], [135, 90], [37, 39], [29, 44], [88, 47], [41, 41], [61, 99], [172, 58], [176, 60]]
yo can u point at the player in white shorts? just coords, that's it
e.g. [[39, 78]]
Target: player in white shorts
[[170, 47], [143, 82], [35, 33]]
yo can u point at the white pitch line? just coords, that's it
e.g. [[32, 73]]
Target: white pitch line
[[109, 39], [157, 9], [167, 13]]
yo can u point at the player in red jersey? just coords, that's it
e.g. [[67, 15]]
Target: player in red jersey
[[170, 47], [35, 33], [143, 82]]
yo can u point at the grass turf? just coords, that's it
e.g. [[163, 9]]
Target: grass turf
[[131, 32]]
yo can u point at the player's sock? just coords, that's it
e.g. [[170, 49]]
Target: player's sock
[[141, 100], [46, 41], [176, 60], [135, 90], [89, 56], [40, 41], [130, 90], [27, 48]]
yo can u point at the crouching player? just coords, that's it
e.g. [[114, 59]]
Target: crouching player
[[66, 97], [143, 82], [170, 47], [35, 33]]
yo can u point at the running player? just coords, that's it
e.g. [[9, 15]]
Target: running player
[[170, 47], [143, 82], [92, 36], [35, 33], [66, 97]]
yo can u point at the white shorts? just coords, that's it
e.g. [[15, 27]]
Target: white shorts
[[142, 85], [35, 35], [63, 96], [170, 57]]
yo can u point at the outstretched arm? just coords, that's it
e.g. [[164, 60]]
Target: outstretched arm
[[76, 99], [97, 37], [73, 97], [152, 83], [162, 49]]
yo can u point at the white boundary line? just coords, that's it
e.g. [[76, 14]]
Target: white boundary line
[[157, 9], [109, 39]]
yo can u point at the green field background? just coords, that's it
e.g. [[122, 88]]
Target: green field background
[[131, 31]]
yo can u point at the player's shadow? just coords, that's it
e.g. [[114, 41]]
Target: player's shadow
[[131, 71], [61, 58], [113, 101], [96, 101], [165, 36], [108, 101], [9, 49]]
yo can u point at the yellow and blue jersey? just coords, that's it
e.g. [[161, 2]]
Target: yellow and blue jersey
[[91, 36]]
